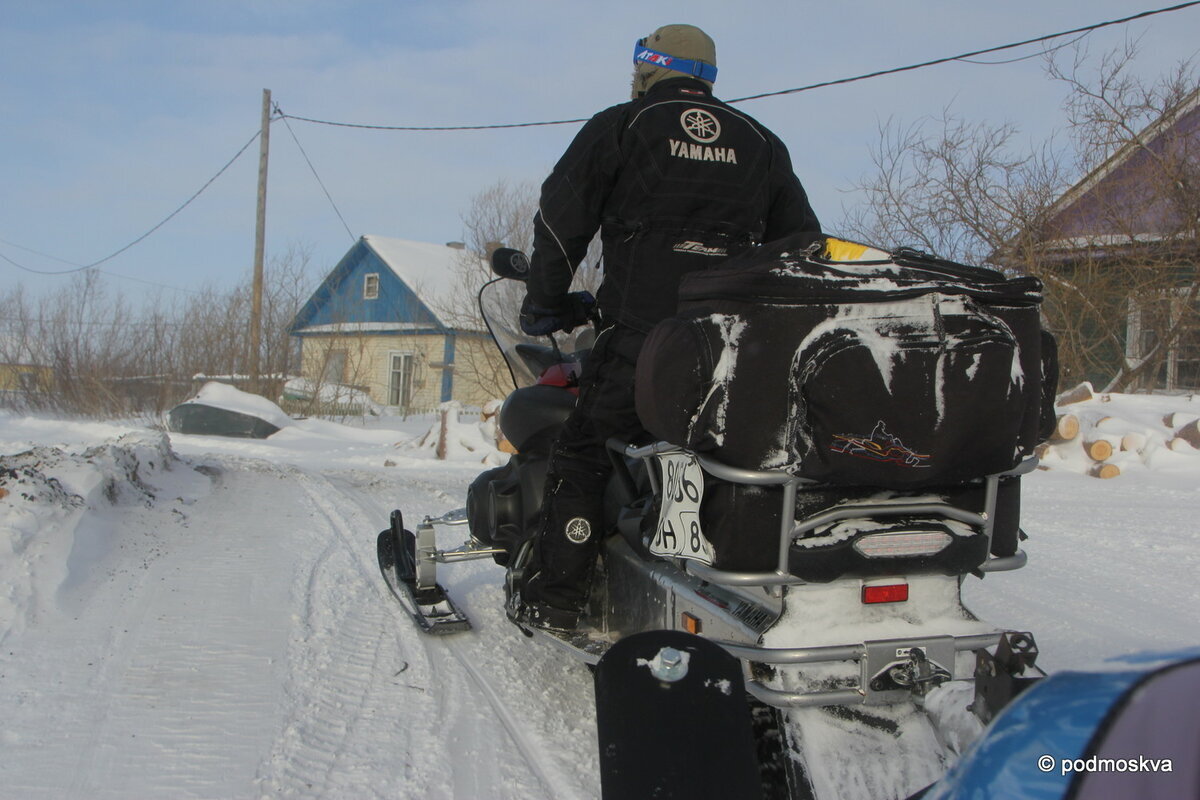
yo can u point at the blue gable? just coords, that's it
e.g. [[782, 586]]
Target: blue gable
[[340, 298]]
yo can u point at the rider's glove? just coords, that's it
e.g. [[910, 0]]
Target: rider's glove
[[571, 311]]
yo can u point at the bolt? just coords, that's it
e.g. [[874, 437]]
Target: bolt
[[670, 666]]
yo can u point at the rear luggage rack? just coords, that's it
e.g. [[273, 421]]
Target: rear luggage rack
[[790, 529]]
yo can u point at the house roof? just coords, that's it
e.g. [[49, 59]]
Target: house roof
[[1121, 200], [429, 270], [415, 296]]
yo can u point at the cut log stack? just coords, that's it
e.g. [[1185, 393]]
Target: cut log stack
[[1186, 433], [1098, 444], [1066, 428], [1096, 440]]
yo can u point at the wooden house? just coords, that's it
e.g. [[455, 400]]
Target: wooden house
[[25, 376], [392, 319], [1133, 220]]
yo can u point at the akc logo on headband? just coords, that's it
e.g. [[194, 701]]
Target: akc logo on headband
[[697, 69], [651, 57]]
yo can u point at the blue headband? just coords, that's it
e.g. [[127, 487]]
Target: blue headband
[[697, 69]]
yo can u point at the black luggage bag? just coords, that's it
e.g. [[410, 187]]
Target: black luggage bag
[[852, 367]]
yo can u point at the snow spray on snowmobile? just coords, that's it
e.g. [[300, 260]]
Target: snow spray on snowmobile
[[838, 435]]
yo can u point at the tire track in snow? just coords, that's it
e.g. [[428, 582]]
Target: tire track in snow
[[341, 737], [554, 785], [484, 772]]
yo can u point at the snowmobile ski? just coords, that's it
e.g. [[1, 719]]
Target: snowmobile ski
[[429, 606]]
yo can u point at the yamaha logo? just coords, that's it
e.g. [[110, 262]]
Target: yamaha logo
[[700, 125], [700, 249], [578, 530]]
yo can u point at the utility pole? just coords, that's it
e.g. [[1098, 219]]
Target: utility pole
[[260, 235]]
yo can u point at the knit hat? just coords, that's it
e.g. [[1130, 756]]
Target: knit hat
[[680, 41]]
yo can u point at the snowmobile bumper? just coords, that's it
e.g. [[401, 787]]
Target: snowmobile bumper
[[890, 670]]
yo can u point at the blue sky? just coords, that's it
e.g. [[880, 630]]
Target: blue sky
[[113, 113]]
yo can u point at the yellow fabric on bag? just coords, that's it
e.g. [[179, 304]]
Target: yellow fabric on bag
[[840, 250]]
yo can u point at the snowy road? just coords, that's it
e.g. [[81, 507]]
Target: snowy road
[[207, 620], [229, 636]]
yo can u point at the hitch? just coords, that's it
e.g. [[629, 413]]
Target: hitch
[[1001, 676], [919, 674], [896, 669]]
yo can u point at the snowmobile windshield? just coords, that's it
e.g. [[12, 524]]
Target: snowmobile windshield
[[527, 357]]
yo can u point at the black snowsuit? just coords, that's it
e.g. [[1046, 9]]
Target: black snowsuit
[[675, 181]]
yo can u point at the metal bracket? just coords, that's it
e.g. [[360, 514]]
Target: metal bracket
[[1002, 676], [425, 556], [897, 668]]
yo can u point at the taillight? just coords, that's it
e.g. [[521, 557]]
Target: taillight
[[891, 593], [900, 544], [564, 375]]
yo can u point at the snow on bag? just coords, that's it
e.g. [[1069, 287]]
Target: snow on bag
[[889, 371]]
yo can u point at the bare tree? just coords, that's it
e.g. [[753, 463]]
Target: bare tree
[[1120, 284], [96, 355], [499, 215], [1150, 215], [963, 190]]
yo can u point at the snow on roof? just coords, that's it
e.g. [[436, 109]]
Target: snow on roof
[[220, 395], [430, 270]]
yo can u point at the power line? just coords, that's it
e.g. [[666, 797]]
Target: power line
[[138, 240], [964, 57], [313, 169], [73, 264], [438, 127], [972, 54], [866, 76], [1043, 52], [92, 323]]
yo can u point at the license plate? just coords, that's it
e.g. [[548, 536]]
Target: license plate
[[679, 534]]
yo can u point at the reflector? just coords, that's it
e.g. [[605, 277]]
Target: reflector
[[894, 593], [895, 545]]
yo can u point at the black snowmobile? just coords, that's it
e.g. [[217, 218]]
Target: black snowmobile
[[838, 436]]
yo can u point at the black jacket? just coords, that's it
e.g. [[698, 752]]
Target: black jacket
[[675, 181]]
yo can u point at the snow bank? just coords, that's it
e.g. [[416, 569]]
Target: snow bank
[[1111, 434], [451, 439], [45, 493]]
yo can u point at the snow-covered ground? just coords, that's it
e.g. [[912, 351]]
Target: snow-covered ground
[[185, 616]]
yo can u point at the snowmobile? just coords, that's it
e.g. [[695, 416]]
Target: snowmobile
[[837, 437]]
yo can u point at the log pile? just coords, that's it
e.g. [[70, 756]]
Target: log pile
[[1102, 435]]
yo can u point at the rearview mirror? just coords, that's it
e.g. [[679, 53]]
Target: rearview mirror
[[510, 263]]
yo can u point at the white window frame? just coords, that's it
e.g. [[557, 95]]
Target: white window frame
[[402, 388], [371, 286], [1137, 345]]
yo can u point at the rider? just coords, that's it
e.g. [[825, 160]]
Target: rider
[[675, 180]]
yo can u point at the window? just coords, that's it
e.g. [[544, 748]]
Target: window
[[400, 384], [1149, 320], [335, 367], [371, 286], [28, 382]]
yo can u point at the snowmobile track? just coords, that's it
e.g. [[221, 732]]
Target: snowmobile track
[[554, 785], [346, 520]]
